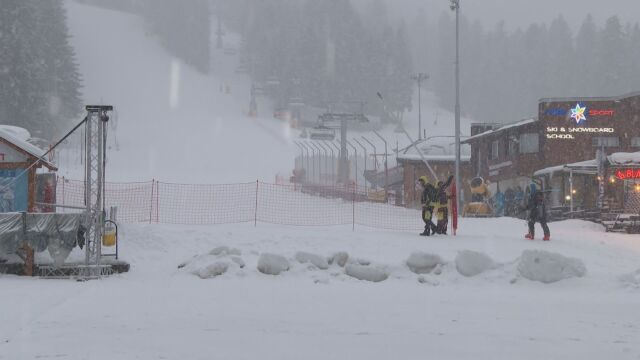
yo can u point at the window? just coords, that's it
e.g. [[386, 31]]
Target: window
[[495, 150], [607, 141], [635, 141], [529, 143], [510, 148]]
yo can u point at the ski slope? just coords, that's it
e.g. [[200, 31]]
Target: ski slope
[[173, 123]]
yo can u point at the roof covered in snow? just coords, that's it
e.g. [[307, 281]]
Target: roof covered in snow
[[18, 137], [585, 167], [502, 128], [623, 158]]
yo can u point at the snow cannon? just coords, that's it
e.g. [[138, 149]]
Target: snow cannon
[[479, 205]]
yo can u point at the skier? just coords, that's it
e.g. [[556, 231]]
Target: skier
[[427, 200], [443, 205], [537, 212]]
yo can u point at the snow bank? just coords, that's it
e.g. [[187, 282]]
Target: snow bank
[[339, 259], [423, 263], [548, 267], [316, 260], [367, 273], [272, 264], [472, 263], [213, 270]]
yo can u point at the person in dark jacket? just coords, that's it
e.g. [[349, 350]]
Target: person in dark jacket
[[537, 212], [442, 199], [427, 200]]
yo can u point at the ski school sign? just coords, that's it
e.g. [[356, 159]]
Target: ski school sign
[[628, 174], [566, 123]]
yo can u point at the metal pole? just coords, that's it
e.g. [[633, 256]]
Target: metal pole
[[319, 162], [344, 176], [386, 168], [326, 160], [365, 153], [355, 153], [333, 161], [455, 5], [419, 78], [375, 153], [338, 162], [307, 169]]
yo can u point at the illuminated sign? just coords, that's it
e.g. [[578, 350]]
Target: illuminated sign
[[625, 174], [578, 120], [579, 113]]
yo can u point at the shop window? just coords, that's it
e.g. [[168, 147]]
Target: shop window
[[635, 141], [495, 150], [529, 143], [606, 141]]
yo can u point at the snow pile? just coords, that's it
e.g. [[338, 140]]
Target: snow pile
[[213, 270], [548, 267], [622, 158], [423, 263], [214, 263], [272, 264], [339, 258], [367, 273], [471, 263], [315, 260], [631, 279]]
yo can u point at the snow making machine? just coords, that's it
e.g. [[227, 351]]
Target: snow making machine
[[480, 195]]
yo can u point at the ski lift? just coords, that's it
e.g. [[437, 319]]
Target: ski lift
[[322, 133]]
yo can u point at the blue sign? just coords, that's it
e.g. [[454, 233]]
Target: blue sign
[[14, 190]]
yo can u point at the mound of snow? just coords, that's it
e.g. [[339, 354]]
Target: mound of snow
[[238, 260], [423, 263], [339, 259], [213, 270], [316, 260], [632, 279], [367, 273], [224, 251], [472, 263], [272, 264], [548, 267]]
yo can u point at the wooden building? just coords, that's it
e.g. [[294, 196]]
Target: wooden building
[[19, 163]]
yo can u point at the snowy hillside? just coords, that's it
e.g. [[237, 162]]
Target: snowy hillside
[[173, 123]]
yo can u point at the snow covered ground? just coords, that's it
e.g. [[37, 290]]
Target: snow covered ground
[[158, 311]]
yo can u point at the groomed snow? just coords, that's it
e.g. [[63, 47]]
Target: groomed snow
[[159, 310]]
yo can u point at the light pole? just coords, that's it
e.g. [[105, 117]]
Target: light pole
[[375, 153], [419, 78], [455, 6], [386, 168]]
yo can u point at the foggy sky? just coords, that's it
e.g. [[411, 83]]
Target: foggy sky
[[521, 13]]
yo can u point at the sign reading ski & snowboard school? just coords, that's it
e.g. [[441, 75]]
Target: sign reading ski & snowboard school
[[569, 122]]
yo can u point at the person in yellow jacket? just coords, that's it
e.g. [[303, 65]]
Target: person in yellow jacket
[[428, 201]]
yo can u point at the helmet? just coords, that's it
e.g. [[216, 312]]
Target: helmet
[[423, 179]]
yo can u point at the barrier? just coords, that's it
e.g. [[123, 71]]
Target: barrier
[[208, 204]]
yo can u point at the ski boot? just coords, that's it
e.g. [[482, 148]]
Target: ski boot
[[547, 238], [529, 236], [426, 232]]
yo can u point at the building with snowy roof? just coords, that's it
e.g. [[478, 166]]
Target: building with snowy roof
[[562, 140], [19, 164]]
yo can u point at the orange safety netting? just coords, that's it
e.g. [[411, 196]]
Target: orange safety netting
[[286, 204]]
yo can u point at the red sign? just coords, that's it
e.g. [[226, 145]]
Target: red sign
[[624, 174], [601, 112]]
